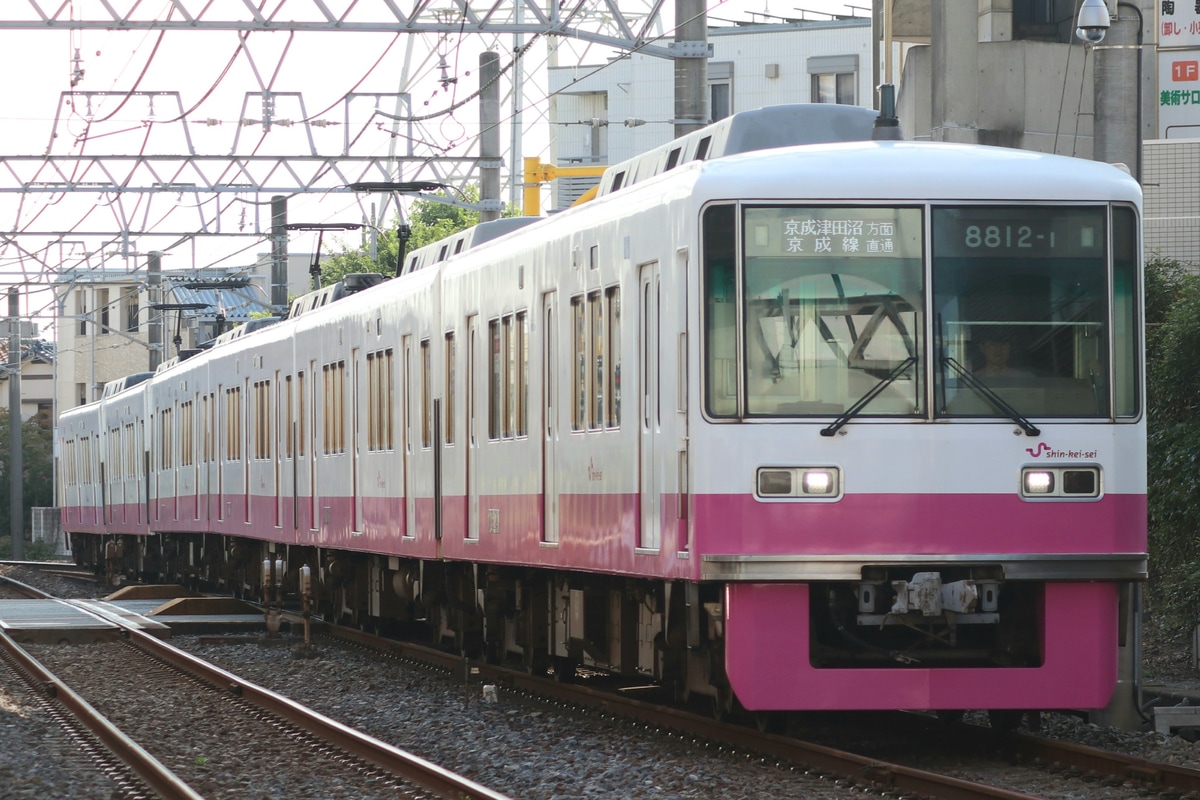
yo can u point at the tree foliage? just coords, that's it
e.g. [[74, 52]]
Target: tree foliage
[[37, 475], [429, 220], [1173, 389]]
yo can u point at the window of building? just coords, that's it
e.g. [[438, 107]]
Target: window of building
[[720, 89], [129, 309], [834, 79], [102, 306]]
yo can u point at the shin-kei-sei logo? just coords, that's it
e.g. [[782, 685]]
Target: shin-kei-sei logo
[[1046, 451]]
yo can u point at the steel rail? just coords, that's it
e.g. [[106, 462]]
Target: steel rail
[[853, 767], [151, 771], [411, 768]]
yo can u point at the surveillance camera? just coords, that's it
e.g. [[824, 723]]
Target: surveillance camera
[[1093, 21]]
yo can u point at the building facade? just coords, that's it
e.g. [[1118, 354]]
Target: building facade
[[606, 113], [113, 323]]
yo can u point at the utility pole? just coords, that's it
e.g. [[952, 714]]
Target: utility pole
[[153, 288], [489, 132], [16, 467], [691, 66], [1118, 77], [279, 255]]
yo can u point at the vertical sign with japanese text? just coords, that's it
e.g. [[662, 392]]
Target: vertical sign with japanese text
[[1179, 69]]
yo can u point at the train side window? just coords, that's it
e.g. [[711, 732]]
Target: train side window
[[233, 424], [301, 419], [578, 364], [702, 148], [1125, 309], [373, 405], [596, 330], [186, 434], [521, 402], [494, 378], [380, 425], [612, 305], [673, 158], [289, 416], [618, 179], [426, 395], [720, 311], [164, 438], [449, 390], [508, 378], [262, 420]]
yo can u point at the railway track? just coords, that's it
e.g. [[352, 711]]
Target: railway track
[[1009, 760], [1094, 769], [217, 734]]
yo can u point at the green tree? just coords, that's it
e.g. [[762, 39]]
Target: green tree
[[37, 477], [1173, 428], [429, 220]]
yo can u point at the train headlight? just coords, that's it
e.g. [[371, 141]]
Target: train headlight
[[819, 481], [1061, 482], [824, 483], [1038, 481]]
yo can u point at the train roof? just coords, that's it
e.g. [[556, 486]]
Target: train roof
[[463, 241], [913, 171], [747, 131]]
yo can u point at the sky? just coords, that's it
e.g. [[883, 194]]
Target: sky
[[167, 93]]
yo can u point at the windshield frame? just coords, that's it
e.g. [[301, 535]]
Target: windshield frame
[[1119, 318]]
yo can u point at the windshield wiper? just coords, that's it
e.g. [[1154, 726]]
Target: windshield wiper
[[970, 380], [862, 402]]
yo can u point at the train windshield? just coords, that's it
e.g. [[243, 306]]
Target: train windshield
[[831, 312], [822, 311], [1021, 302]]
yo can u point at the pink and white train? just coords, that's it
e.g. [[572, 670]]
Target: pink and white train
[[848, 425]]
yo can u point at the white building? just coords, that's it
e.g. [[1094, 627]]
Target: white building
[[606, 113], [106, 318]]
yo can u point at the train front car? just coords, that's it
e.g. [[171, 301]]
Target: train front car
[[918, 462]]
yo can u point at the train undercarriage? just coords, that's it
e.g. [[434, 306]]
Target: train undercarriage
[[552, 622]]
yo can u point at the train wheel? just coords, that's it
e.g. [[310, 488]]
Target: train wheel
[[564, 669], [1005, 720], [535, 663], [770, 721], [722, 704]]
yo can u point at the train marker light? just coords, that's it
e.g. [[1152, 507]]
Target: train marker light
[[799, 482], [1080, 483], [775, 482]]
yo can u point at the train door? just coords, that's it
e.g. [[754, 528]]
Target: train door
[[410, 497], [279, 452], [550, 369], [649, 417], [355, 414], [288, 443], [472, 429], [313, 456]]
